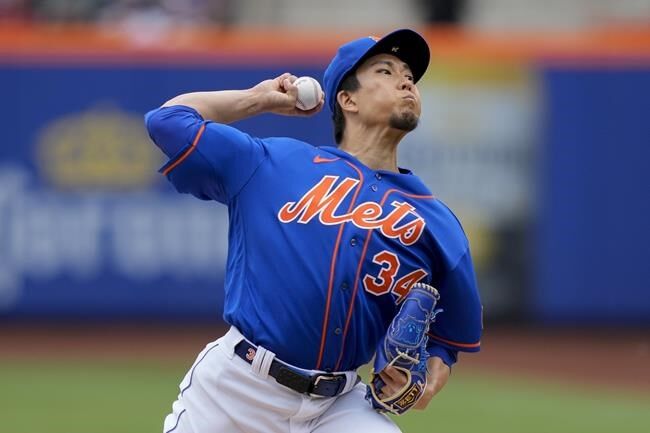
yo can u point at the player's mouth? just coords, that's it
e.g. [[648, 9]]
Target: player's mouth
[[410, 99]]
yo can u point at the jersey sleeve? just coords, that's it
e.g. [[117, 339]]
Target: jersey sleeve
[[448, 356], [209, 160], [459, 326]]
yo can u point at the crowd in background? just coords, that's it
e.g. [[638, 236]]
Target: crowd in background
[[73, 11], [559, 15], [194, 12]]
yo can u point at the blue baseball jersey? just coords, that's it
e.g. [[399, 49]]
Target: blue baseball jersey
[[321, 247]]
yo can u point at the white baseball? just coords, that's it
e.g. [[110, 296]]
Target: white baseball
[[309, 93]]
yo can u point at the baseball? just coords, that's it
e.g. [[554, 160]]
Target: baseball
[[309, 93]]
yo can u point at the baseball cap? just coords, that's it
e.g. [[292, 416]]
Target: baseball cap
[[405, 44]]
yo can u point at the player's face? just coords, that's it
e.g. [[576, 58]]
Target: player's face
[[387, 94]]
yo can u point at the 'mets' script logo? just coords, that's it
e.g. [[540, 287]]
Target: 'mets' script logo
[[324, 201]]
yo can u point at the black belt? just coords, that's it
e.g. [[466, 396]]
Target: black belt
[[327, 385]]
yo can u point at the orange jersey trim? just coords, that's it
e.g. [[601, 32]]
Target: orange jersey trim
[[360, 265], [454, 343], [187, 152], [333, 262]]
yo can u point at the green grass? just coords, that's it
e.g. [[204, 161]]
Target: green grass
[[86, 397], [502, 405], [125, 397]]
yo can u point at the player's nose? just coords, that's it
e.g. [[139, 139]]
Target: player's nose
[[406, 84]]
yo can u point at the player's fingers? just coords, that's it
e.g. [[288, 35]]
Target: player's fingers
[[283, 77], [397, 377], [388, 388], [394, 380], [289, 88], [288, 84], [286, 80], [279, 81], [388, 380]]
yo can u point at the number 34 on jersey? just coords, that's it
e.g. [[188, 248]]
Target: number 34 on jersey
[[324, 200], [385, 282]]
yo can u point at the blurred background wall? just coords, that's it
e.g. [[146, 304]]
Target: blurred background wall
[[534, 130]]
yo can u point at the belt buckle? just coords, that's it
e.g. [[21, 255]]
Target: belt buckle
[[340, 383]]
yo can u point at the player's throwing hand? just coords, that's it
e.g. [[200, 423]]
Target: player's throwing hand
[[279, 96]]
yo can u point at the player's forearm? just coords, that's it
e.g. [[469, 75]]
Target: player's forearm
[[225, 106], [437, 376]]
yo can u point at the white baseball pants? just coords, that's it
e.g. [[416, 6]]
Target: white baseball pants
[[223, 393]]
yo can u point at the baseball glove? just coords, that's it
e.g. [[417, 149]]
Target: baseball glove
[[404, 347]]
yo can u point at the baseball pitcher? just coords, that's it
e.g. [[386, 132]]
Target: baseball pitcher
[[336, 254]]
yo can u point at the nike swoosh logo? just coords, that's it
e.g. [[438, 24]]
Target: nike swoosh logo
[[318, 159]]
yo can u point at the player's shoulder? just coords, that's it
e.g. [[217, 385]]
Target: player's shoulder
[[447, 230], [281, 147], [444, 213], [439, 211]]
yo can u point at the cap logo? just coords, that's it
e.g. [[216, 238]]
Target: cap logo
[[395, 49]]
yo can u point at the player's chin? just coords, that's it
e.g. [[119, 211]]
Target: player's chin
[[405, 120]]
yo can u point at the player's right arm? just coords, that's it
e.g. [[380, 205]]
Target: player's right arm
[[277, 95], [208, 158]]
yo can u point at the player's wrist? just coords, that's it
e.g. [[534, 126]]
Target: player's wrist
[[255, 101]]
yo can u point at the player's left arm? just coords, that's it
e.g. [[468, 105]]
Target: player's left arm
[[457, 328]]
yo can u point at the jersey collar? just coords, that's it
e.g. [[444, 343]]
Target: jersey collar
[[343, 154]]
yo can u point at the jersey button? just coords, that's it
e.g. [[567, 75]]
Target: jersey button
[[338, 331], [377, 176], [353, 241], [373, 187], [344, 285]]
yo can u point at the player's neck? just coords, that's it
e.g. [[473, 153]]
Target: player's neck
[[375, 148]]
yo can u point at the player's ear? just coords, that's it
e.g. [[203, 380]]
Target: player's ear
[[347, 101]]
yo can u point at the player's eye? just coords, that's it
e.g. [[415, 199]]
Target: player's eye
[[384, 71], [409, 77]]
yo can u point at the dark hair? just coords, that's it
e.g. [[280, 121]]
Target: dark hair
[[350, 83]]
